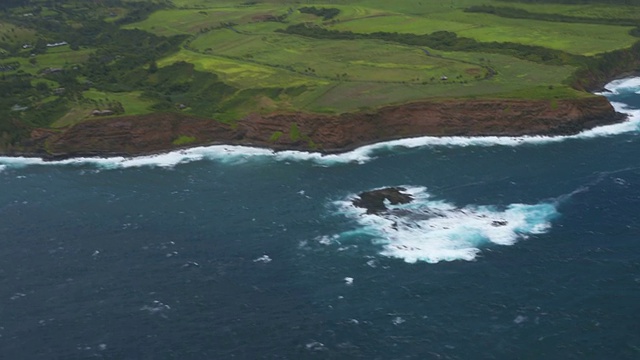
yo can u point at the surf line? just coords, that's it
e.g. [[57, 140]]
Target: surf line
[[235, 154]]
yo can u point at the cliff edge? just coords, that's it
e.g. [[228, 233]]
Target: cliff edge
[[153, 133]]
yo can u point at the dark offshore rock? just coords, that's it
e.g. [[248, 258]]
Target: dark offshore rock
[[374, 200]]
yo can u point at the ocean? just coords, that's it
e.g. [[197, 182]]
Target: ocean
[[513, 248]]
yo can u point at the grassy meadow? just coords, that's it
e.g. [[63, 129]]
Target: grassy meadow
[[235, 57], [580, 39], [241, 45]]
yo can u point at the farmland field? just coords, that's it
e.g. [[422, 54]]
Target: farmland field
[[483, 27], [236, 57]]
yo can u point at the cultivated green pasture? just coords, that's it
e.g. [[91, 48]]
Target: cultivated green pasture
[[366, 60], [133, 103], [347, 75], [243, 74], [581, 39], [186, 22], [16, 35], [58, 58], [266, 70], [594, 11], [63, 56]]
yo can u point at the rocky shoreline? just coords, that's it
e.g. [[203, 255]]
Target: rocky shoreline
[[156, 133]]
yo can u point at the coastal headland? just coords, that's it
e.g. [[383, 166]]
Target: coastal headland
[[134, 78], [147, 134]]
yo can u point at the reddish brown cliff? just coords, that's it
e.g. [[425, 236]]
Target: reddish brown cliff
[[135, 135]]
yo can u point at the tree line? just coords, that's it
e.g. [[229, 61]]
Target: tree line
[[515, 13], [325, 13], [446, 41], [579, 2]]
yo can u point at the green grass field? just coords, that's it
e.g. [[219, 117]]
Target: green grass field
[[366, 60], [181, 22], [133, 103], [580, 39], [268, 70], [17, 35], [347, 75], [63, 56], [54, 58]]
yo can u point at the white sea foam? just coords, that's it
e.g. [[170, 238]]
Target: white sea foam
[[432, 230], [263, 259], [623, 85], [241, 154], [222, 153], [155, 307]]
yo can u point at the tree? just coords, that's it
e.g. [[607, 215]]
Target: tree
[[153, 67]]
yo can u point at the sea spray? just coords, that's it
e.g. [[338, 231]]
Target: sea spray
[[432, 230], [626, 85]]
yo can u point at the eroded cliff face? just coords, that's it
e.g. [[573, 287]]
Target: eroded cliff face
[[447, 118], [136, 135]]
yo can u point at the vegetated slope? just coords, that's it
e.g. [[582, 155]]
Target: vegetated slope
[[71, 61]]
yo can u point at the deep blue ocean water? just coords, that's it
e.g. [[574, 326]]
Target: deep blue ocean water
[[237, 253]]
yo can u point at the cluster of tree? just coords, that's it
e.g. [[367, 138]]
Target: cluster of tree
[[65, 23], [444, 40], [325, 13], [605, 66], [181, 83], [138, 11], [21, 108], [122, 54], [8, 4], [116, 64], [515, 13]]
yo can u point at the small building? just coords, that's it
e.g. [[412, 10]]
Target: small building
[[106, 112], [444, 77], [17, 107], [51, 70], [61, 43]]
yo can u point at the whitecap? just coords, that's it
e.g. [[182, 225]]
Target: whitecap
[[520, 319], [616, 87], [315, 346], [155, 307], [263, 259], [432, 230], [228, 154]]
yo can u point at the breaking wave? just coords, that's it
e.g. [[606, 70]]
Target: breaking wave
[[239, 154], [433, 230], [621, 86]]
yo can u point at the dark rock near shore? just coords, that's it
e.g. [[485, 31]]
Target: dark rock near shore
[[374, 201]]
